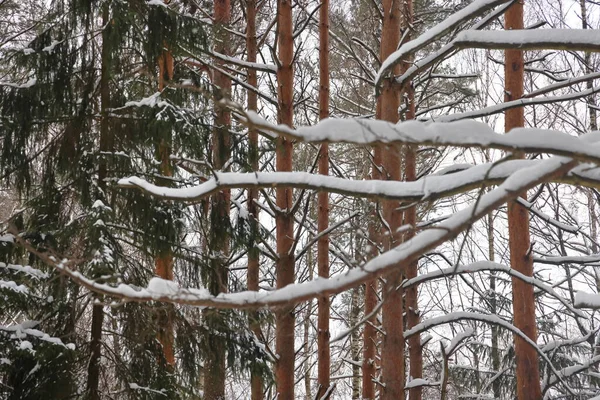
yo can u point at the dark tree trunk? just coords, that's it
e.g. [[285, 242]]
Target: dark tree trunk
[[214, 369], [256, 381]]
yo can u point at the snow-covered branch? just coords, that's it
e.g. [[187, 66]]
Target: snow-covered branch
[[381, 265], [526, 39]]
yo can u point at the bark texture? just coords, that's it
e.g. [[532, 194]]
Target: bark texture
[[369, 364], [214, 369], [284, 221], [528, 375], [415, 350], [256, 381], [323, 334], [392, 354]]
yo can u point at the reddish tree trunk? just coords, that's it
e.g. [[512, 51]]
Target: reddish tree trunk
[[528, 376], [285, 320], [369, 365], [214, 369], [256, 382], [324, 356], [392, 354], [410, 217]]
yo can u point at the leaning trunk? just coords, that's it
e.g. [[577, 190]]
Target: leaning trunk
[[528, 376]]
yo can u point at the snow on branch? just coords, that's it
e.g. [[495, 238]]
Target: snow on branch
[[428, 188], [473, 10], [569, 372], [27, 328], [389, 261], [243, 63], [526, 39], [463, 133], [482, 266], [447, 50], [526, 101], [25, 269], [559, 260], [587, 300], [493, 320]]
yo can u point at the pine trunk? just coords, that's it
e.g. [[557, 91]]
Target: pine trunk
[[256, 381], [369, 367], [528, 376], [410, 218], [392, 354], [324, 356], [284, 221], [214, 370]]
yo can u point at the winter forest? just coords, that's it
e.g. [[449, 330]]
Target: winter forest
[[299, 199]]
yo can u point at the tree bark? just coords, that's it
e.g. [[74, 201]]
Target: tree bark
[[415, 351], [214, 371], [284, 221], [355, 341], [369, 367], [528, 375], [392, 354], [106, 144], [588, 70], [496, 385], [256, 381], [323, 335]]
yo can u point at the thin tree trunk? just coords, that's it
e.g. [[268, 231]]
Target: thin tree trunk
[[256, 381], [214, 371], [307, 344], [369, 339], [284, 221], [369, 367], [392, 355], [324, 356], [355, 342], [588, 70], [496, 385], [591, 103], [528, 375], [106, 144]]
